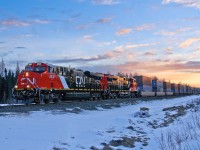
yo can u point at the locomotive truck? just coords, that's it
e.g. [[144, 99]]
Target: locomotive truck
[[42, 82]]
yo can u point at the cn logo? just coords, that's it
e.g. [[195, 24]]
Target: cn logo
[[27, 80], [80, 80]]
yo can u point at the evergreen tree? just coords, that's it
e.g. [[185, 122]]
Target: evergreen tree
[[9, 85], [1, 89], [17, 72], [2, 68], [5, 72], [126, 75], [130, 75]]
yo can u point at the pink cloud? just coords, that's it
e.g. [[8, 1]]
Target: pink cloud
[[144, 27], [124, 31], [188, 42], [88, 37]]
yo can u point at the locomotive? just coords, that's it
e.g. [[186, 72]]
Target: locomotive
[[42, 82]]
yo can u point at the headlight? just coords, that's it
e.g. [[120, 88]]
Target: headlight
[[27, 74], [28, 86], [16, 86]]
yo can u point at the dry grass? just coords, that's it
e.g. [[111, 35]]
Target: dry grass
[[187, 134]]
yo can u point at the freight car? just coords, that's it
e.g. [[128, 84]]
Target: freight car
[[156, 87], [45, 82]]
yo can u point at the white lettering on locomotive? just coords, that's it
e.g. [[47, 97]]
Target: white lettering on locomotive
[[23, 81], [80, 81]]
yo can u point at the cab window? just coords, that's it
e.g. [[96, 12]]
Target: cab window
[[39, 69], [29, 68]]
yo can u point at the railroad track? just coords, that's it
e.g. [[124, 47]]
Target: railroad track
[[76, 106]]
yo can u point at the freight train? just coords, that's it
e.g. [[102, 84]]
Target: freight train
[[42, 82], [46, 82]]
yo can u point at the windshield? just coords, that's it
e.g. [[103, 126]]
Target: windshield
[[39, 69], [29, 68]]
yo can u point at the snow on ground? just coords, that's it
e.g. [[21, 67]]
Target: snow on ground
[[119, 128]]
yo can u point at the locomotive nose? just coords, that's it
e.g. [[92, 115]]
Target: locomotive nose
[[26, 80]]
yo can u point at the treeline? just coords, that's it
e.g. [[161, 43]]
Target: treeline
[[7, 83]]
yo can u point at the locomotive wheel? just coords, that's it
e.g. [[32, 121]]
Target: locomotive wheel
[[57, 99], [26, 101], [46, 101], [36, 100]]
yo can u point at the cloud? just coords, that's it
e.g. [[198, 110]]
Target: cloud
[[105, 2], [20, 62], [150, 66], [144, 27], [14, 22], [20, 47], [74, 16], [124, 31], [149, 54], [130, 46], [38, 21], [4, 54], [170, 70], [106, 43], [108, 55], [187, 3], [168, 51], [198, 49], [163, 60], [166, 33], [83, 27], [25, 36], [188, 42], [191, 18], [89, 25], [170, 33], [104, 20], [119, 51], [21, 23], [80, 60], [184, 29], [88, 37]]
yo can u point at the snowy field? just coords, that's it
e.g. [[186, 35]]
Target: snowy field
[[118, 128]]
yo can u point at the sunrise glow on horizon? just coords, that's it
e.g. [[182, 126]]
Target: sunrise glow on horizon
[[153, 38]]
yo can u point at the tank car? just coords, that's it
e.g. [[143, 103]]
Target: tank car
[[41, 82]]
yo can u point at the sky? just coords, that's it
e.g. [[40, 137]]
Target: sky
[[148, 37]]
